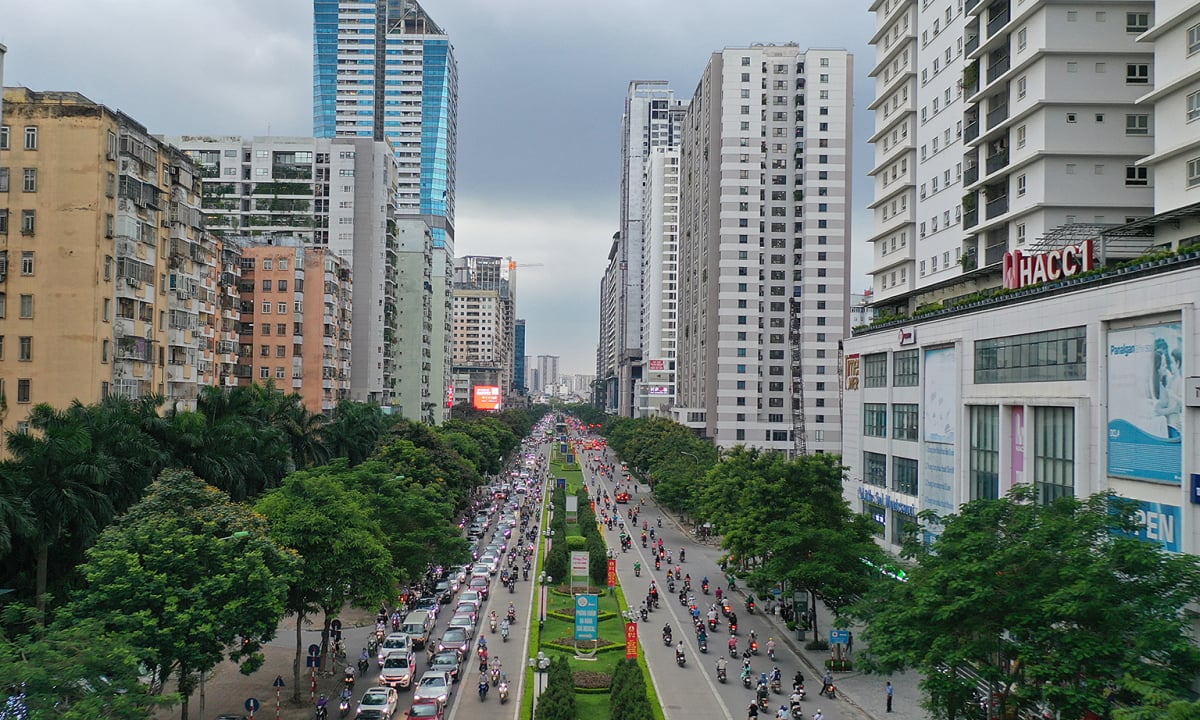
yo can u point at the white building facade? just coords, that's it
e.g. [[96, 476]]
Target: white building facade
[[655, 392], [763, 263]]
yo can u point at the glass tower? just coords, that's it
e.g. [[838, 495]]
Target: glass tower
[[384, 69]]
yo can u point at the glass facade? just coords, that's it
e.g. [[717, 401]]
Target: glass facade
[[1034, 357], [875, 469], [905, 421], [325, 32], [904, 475], [1053, 453], [875, 370], [906, 368], [875, 419], [984, 454]]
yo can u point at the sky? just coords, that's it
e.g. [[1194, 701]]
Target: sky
[[541, 92]]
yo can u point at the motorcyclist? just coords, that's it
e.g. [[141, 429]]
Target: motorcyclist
[[752, 711], [733, 645], [826, 682], [667, 630], [322, 703], [504, 628], [483, 687], [681, 558], [679, 650], [771, 647], [721, 665], [819, 715]]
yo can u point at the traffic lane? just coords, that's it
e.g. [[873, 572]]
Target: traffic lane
[[679, 688]]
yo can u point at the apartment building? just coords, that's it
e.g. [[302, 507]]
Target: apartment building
[[414, 357], [296, 310], [484, 311], [327, 193], [655, 393], [763, 264], [117, 297]]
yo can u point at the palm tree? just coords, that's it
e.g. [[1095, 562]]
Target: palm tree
[[129, 431], [303, 431], [354, 431], [65, 481]]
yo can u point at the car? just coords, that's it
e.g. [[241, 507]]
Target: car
[[425, 711], [434, 685], [464, 621], [467, 608], [429, 604], [447, 662], [479, 585], [471, 596], [492, 560], [397, 670], [370, 714], [383, 699], [443, 592], [480, 569], [456, 639], [393, 643], [456, 582]]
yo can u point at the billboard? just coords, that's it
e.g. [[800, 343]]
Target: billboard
[[587, 617], [1159, 524], [486, 397], [657, 365], [941, 402], [450, 395], [1145, 402]]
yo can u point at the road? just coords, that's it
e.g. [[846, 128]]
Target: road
[[692, 692]]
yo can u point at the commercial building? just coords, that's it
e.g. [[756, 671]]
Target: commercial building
[[484, 310], [336, 194], [1081, 376], [296, 320], [652, 119], [120, 298], [763, 248]]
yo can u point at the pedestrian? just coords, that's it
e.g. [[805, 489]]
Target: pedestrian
[[889, 696]]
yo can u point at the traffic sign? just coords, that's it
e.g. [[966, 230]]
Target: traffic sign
[[278, 681], [839, 637], [312, 661], [314, 650], [335, 624], [252, 705]]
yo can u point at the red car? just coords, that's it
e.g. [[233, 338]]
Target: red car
[[426, 709], [623, 497]]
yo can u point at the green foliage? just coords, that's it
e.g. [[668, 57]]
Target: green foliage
[[629, 698], [1072, 603], [665, 454], [558, 559], [558, 700], [173, 564]]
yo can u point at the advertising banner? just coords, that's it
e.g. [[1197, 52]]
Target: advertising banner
[[940, 405], [1160, 524], [631, 641], [1018, 448], [612, 573], [1145, 402], [587, 617], [487, 397]]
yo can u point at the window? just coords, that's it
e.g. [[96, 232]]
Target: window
[[1021, 136], [281, 308], [24, 390], [266, 306], [875, 420], [3, 137], [1022, 36], [30, 179], [268, 264], [1072, 117], [875, 370], [31, 138], [1193, 172], [1033, 357], [1072, 66], [1072, 15], [904, 475], [1136, 176], [3, 179], [1137, 74], [25, 348], [906, 366], [1137, 22], [282, 285], [1193, 106], [28, 221], [1193, 39], [1053, 453], [1137, 124], [27, 307], [266, 285], [1021, 87], [26, 262], [1020, 233], [1020, 185], [281, 351], [264, 373], [875, 469], [905, 421], [983, 456]]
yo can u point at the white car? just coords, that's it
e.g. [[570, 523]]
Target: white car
[[383, 699], [472, 597], [464, 621], [396, 642], [433, 686], [397, 670]]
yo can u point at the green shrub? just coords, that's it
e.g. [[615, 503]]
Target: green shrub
[[576, 542]]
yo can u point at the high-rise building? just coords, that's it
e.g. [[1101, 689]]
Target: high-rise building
[[655, 393], [418, 399], [652, 119], [329, 193], [547, 371], [763, 248], [384, 70], [1001, 127], [296, 320], [520, 359], [122, 297], [484, 317]]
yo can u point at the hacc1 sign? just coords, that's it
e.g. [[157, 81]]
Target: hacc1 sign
[[1021, 269]]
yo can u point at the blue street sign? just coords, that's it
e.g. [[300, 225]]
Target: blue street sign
[[587, 617], [278, 681], [314, 650], [312, 661], [562, 483], [252, 705], [839, 637]]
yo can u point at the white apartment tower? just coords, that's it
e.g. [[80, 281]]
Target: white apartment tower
[[763, 265], [651, 119], [1001, 125], [660, 271]]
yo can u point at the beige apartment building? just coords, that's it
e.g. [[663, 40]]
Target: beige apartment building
[[107, 281], [296, 303]]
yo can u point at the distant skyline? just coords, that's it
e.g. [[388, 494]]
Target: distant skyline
[[541, 89]]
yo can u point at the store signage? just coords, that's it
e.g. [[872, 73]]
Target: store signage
[[908, 336], [853, 370], [658, 389], [657, 365], [1159, 524], [871, 496], [1021, 269]]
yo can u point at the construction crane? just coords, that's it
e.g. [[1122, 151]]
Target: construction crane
[[513, 265], [796, 333]]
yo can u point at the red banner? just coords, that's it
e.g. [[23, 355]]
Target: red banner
[[631, 640], [612, 573]]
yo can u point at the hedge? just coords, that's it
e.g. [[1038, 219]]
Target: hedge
[[558, 699]]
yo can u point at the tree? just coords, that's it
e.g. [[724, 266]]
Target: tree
[[343, 556], [1055, 605], [355, 431], [186, 575], [74, 669]]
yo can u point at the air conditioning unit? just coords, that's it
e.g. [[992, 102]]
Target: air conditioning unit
[[132, 282]]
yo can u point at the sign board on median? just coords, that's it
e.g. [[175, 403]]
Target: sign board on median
[[587, 617], [572, 509], [579, 569], [612, 573], [631, 640], [839, 637]]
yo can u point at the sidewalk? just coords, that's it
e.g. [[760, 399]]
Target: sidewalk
[[865, 692]]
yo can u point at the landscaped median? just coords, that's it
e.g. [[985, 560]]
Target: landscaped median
[[605, 685]]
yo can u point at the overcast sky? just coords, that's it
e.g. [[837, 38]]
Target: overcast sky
[[541, 89]]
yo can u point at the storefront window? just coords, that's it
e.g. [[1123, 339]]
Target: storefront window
[[1053, 453], [984, 459], [904, 475], [878, 516], [901, 521], [875, 469]]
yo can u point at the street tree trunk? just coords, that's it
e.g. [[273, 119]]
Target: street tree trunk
[[296, 660]]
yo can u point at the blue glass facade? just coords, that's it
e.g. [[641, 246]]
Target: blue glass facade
[[519, 357], [436, 118], [325, 32]]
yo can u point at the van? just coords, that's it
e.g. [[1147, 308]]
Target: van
[[417, 627]]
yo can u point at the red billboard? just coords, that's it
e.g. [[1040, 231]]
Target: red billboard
[[631, 640], [486, 397]]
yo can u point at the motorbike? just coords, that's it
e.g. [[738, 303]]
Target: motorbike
[[525, 572], [712, 624], [733, 628], [348, 680], [494, 673], [637, 571], [504, 634], [703, 646], [645, 614], [746, 679], [512, 584], [721, 675], [666, 638], [670, 585], [512, 617], [643, 542], [750, 606], [764, 704], [344, 707], [776, 685], [503, 690], [753, 647], [483, 690], [660, 522], [798, 689], [492, 624], [796, 712], [829, 691], [322, 710], [733, 647], [680, 659], [363, 664], [704, 588]]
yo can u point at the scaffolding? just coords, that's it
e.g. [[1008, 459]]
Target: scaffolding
[[796, 331]]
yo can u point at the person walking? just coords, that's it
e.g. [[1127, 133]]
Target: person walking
[[889, 696]]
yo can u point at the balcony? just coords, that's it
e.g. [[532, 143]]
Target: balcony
[[971, 131], [971, 45], [997, 206], [997, 20], [998, 66], [969, 5], [970, 218], [971, 175], [997, 160], [997, 115], [994, 254]]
